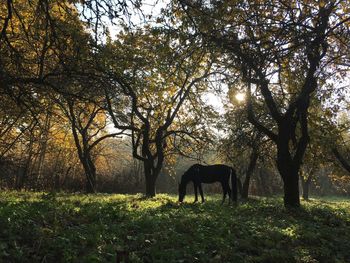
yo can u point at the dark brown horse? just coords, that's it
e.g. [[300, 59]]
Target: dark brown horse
[[208, 174]]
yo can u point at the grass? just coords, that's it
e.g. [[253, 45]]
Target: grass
[[44, 227]]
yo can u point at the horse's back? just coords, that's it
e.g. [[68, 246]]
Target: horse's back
[[213, 173]]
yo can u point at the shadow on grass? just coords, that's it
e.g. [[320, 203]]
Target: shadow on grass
[[78, 228]]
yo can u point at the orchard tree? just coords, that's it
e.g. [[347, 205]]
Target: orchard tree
[[88, 121], [243, 145], [159, 73], [238, 146], [317, 155], [284, 52]]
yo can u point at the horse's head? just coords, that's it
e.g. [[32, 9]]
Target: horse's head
[[182, 191]]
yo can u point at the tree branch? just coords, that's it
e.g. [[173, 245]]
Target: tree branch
[[344, 163]]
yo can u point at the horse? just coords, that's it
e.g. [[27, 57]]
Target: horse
[[208, 174]]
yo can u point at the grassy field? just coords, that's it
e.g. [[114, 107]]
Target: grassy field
[[40, 227]]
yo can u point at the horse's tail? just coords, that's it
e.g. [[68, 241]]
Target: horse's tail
[[234, 185], [239, 186]]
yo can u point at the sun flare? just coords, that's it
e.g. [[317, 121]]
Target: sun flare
[[240, 97]]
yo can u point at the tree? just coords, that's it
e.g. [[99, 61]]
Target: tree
[[243, 145], [42, 45], [341, 149], [323, 132], [270, 45], [88, 121], [156, 72]]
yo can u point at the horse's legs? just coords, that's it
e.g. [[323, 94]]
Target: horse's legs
[[224, 190], [195, 192], [201, 191]]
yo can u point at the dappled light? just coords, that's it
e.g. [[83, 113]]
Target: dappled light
[[174, 131]]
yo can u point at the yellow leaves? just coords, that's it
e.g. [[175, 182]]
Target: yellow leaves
[[39, 30], [322, 3], [345, 7]]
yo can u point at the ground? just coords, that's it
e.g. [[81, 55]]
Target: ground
[[45, 227]]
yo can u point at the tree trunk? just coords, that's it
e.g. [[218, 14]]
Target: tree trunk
[[41, 159], [291, 190], [290, 176], [150, 186], [90, 183], [305, 186], [251, 167], [263, 179], [24, 169], [90, 173], [44, 137], [289, 165], [20, 177], [151, 177], [57, 182]]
